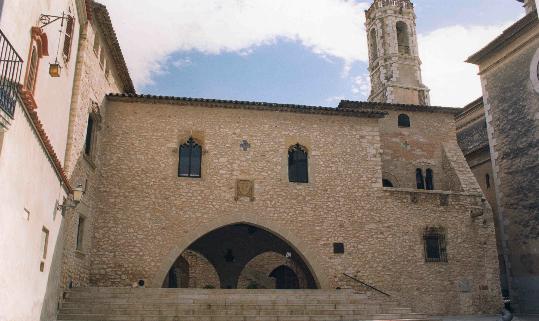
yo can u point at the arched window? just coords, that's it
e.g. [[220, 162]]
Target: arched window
[[420, 182], [190, 159], [429, 180], [31, 75], [403, 38], [297, 164], [404, 121], [374, 45], [487, 180], [387, 183]]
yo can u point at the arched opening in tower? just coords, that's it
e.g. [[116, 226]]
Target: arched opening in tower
[[240, 256], [403, 38]]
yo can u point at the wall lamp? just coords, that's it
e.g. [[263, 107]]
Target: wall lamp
[[74, 199]]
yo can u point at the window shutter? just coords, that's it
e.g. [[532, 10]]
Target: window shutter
[[68, 39]]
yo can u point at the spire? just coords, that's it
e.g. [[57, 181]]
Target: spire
[[394, 64]]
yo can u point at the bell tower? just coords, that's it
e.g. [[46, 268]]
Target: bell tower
[[394, 64]]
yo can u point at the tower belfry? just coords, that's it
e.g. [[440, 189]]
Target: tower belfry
[[394, 64]]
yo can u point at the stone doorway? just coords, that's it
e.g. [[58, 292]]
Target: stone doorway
[[240, 256]]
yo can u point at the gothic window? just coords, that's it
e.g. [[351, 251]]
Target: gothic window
[[487, 180], [387, 183], [404, 121], [297, 164], [429, 184], [31, 75], [190, 159], [403, 38], [374, 46], [434, 245], [420, 182], [68, 38]]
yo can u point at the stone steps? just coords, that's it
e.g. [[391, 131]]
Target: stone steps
[[127, 304]]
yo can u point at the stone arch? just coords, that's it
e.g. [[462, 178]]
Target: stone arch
[[307, 255], [261, 266], [196, 271], [403, 37], [392, 178]]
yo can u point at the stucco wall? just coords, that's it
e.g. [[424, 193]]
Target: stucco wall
[[146, 215]]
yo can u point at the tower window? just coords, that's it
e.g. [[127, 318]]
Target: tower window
[[404, 121], [297, 164], [373, 44], [403, 38], [190, 159], [435, 245], [429, 183], [487, 180], [420, 182]]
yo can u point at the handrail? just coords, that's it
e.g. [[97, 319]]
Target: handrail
[[365, 284]]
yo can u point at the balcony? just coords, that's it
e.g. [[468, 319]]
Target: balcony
[[10, 69]]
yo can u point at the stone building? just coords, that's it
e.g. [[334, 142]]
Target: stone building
[[184, 192], [509, 67]]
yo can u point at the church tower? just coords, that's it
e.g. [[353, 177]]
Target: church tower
[[394, 64]]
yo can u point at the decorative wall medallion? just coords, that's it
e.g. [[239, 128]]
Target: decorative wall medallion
[[245, 188], [245, 145]]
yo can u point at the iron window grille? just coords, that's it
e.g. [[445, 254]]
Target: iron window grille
[[190, 159], [435, 244], [298, 171], [11, 69]]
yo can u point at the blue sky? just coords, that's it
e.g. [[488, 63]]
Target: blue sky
[[294, 51]]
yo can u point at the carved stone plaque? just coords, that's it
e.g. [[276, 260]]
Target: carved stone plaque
[[245, 188]]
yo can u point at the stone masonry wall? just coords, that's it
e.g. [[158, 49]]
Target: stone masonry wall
[[90, 87], [146, 215], [512, 109]]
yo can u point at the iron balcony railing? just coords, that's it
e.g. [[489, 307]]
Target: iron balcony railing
[[10, 74]]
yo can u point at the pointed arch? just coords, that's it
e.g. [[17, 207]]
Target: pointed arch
[[307, 255]]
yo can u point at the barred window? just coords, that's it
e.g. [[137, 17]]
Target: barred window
[[297, 164], [190, 159], [435, 245]]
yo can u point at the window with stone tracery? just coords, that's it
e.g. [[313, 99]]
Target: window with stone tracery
[[190, 159]]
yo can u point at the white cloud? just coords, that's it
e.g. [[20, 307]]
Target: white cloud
[[362, 85], [150, 31], [443, 51], [182, 62]]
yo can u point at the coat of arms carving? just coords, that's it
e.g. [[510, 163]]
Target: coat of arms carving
[[245, 188]]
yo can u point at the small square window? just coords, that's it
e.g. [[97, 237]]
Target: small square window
[[338, 248]]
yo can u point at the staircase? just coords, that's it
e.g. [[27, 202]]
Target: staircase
[[127, 304]]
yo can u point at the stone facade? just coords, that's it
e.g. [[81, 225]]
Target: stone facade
[[394, 64], [146, 215], [508, 69]]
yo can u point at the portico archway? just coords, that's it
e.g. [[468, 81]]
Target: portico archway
[[230, 248]]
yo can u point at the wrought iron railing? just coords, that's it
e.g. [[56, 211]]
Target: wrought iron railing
[[10, 74], [365, 284]]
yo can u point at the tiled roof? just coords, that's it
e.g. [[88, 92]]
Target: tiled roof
[[473, 137], [528, 22], [249, 105], [365, 105], [102, 17]]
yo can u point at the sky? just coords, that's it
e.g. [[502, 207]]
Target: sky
[[309, 52]]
